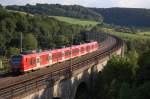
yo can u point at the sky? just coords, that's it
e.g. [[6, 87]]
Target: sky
[[86, 3]]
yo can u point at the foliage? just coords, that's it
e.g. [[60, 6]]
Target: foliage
[[144, 71], [125, 16], [117, 71], [125, 77], [13, 51], [125, 91], [74, 11], [133, 57], [142, 92], [30, 42], [39, 31], [76, 21]]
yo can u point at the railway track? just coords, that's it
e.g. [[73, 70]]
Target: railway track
[[13, 86]]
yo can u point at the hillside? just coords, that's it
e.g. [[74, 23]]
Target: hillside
[[125, 16], [76, 21], [38, 31], [74, 11]]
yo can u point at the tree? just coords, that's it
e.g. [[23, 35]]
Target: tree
[[2, 41], [144, 70], [142, 92], [61, 40], [2, 44], [13, 51], [133, 57], [30, 42], [125, 91], [118, 68], [117, 71]]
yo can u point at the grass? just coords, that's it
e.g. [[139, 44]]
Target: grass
[[145, 33], [128, 36], [76, 21]]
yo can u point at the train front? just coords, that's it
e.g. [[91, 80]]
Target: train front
[[16, 63]]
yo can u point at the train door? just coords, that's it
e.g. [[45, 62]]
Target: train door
[[50, 58], [38, 61], [63, 55]]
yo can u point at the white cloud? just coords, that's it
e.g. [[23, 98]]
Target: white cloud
[[134, 3], [68, 2], [89, 3]]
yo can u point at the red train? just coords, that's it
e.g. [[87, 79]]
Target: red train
[[32, 61]]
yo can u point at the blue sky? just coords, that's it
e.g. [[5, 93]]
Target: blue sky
[[87, 3]]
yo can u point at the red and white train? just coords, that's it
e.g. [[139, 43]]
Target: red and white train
[[33, 61]]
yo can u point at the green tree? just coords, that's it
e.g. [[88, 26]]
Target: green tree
[[13, 51], [117, 71], [61, 40], [2, 41], [133, 57], [142, 92], [144, 70], [30, 42], [125, 91]]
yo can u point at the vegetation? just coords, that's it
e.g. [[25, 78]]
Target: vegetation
[[38, 31], [74, 11], [125, 16], [76, 21], [124, 78], [130, 17], [137, 41]]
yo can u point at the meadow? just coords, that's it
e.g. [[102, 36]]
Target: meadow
[[76, 21], [129, 36]]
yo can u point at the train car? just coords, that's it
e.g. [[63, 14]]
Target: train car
[[82, 49], [66, 53], [75, 51], [57, 56], [33, 61]]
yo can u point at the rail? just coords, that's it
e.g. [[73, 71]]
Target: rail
[[50, 78]]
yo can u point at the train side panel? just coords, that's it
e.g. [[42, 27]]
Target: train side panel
[[39, 60], [29, 62]]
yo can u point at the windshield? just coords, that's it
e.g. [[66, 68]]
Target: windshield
[[16, 60]]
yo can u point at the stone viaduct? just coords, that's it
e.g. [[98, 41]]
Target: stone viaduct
[[80, 79]]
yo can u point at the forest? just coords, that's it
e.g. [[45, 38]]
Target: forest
[[38, 32], [125, 77], [131, 17], [74, 11]]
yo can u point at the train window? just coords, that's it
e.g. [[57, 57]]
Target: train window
[[92, 46], [82, 49], [33, 61], [16, 60], [88, 48], [67, 53], [56, 56], [38, 60], [30, 62], [59, 55], [75, 51], [49, 57]]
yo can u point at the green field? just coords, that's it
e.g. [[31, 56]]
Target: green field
[[145, 33], [76, 21], [128, 36]]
